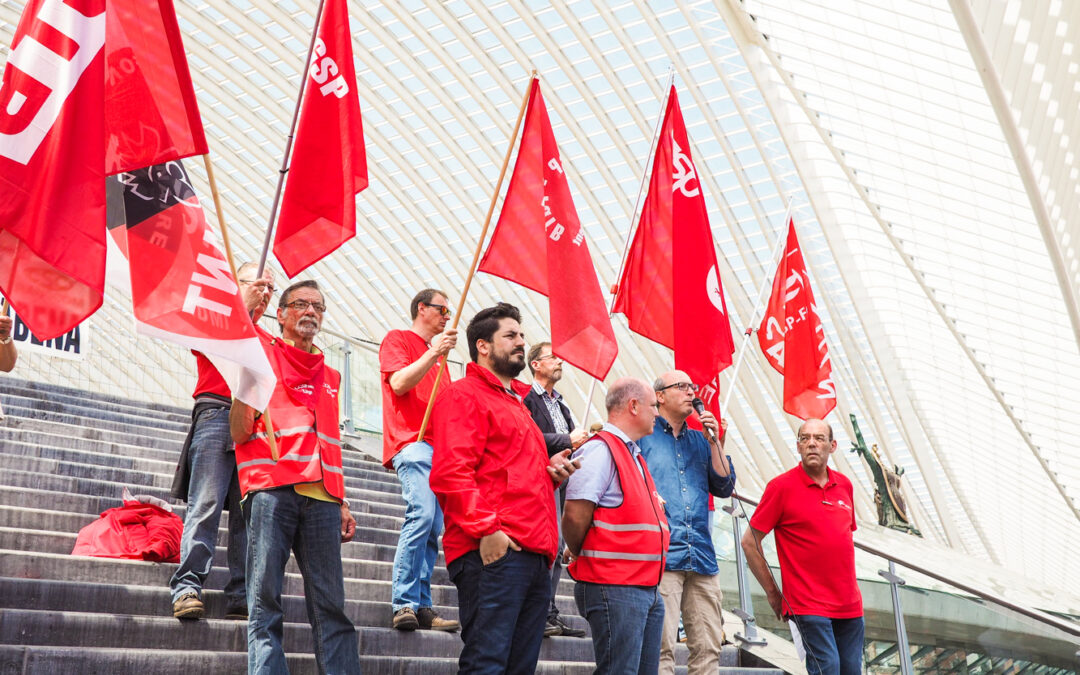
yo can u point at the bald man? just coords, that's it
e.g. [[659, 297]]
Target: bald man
[[617, 535]]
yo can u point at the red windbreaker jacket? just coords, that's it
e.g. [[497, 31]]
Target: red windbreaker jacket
[[488, 469]]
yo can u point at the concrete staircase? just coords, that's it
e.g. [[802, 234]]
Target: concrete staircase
[[65, 456]]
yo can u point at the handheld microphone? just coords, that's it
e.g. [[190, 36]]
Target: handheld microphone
[[699, 407]]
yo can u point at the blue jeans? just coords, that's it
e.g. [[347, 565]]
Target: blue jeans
[[502, 607], [627, 623], [833, 646], [281, 520], [418, 543], [213, 483]]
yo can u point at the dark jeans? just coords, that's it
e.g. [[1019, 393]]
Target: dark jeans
[[833, 646], [213, 485], [280, 521], [502, 607], [627, 623]]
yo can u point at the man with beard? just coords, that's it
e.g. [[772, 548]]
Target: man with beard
[[494, 480], [557, 424], [294, 493], [409, 364]]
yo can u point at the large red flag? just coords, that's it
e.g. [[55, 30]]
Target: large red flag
[[329, 166], [538, 243], [181, 286], [793, 340], [670, 289], [59, 137]]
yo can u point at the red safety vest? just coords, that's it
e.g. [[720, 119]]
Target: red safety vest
[[626, 545], [305, 427]]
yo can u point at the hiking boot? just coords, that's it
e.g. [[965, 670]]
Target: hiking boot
[[429, 620], [556, 626], [188, 606], [405, 619], [238, 613]]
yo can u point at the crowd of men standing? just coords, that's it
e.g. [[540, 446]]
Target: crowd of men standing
[[516, 489]]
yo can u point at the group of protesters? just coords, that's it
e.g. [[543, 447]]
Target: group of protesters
[[516, 489]]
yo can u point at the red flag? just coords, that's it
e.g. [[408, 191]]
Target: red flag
[[670, 289], [329, 166], [151, 115], [793, 340], [52, 148], [538, 243], [181, 286]]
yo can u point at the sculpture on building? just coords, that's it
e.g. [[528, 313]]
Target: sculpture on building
[[891, 508]]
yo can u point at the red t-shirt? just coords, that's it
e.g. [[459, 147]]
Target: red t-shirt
[[209, 379], [814, 541], [403, 414]]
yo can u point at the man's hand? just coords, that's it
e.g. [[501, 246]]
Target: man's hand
[[777, 604], [560, 467], [567, 556], [708, 420], [445, 342], [577, 437], [5, 327], [494, 546], [348, 524], [256, 293]]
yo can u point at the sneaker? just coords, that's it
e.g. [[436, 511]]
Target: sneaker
[[429, 620], [239, 613], [556, 626], [188, 606], [405, 619]]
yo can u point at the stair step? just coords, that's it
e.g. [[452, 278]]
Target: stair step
[[50, 660]]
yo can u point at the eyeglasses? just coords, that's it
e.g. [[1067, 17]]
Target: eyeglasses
[[302, 305], [688, 387], [269, 287], [443, 309], [545, 357], [820, 438]]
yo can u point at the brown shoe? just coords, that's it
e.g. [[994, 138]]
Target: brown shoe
[[429, 620], [188, 606], [405, 619]]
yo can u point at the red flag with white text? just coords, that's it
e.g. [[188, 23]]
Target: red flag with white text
[[182, 287], [90, 86], [670, 290], [329, 165], [793, 340], [539, 243]]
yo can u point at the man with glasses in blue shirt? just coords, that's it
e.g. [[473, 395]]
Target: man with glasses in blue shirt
[[687, 467]]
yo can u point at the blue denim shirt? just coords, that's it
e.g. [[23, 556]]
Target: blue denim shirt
[[682, 470]]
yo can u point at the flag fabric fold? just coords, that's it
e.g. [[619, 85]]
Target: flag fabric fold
[[539, 243], [793, 340], [670, 290], [91, 86], [182, 287], [329, 162]]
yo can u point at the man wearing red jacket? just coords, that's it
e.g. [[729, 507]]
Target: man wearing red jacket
[[495, 482], [294, 493]]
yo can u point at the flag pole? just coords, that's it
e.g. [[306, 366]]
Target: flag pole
[[232, 265], [765, 283], [479, 247], [289, 143], [633, 219]]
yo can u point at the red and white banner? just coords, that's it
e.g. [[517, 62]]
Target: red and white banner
[[670, 290], [792, 339], [538, 243], [329, 163], [181, 285], [59, 137]]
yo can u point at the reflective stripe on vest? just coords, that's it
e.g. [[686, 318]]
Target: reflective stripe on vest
[[627, 527], [280, 433], [611, 555]]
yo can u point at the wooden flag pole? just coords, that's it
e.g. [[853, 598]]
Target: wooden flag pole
[[232, 265], [479, 247], [765, 283], [289, 143], [633, 220]]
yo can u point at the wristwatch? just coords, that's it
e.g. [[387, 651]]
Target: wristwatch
[[5, 341]]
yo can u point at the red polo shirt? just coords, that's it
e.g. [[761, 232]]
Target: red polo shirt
[[489, 470], [209, 379], [813, 539], [403, 414]]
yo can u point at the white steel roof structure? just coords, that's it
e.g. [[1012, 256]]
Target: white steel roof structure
[[929, 150]]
